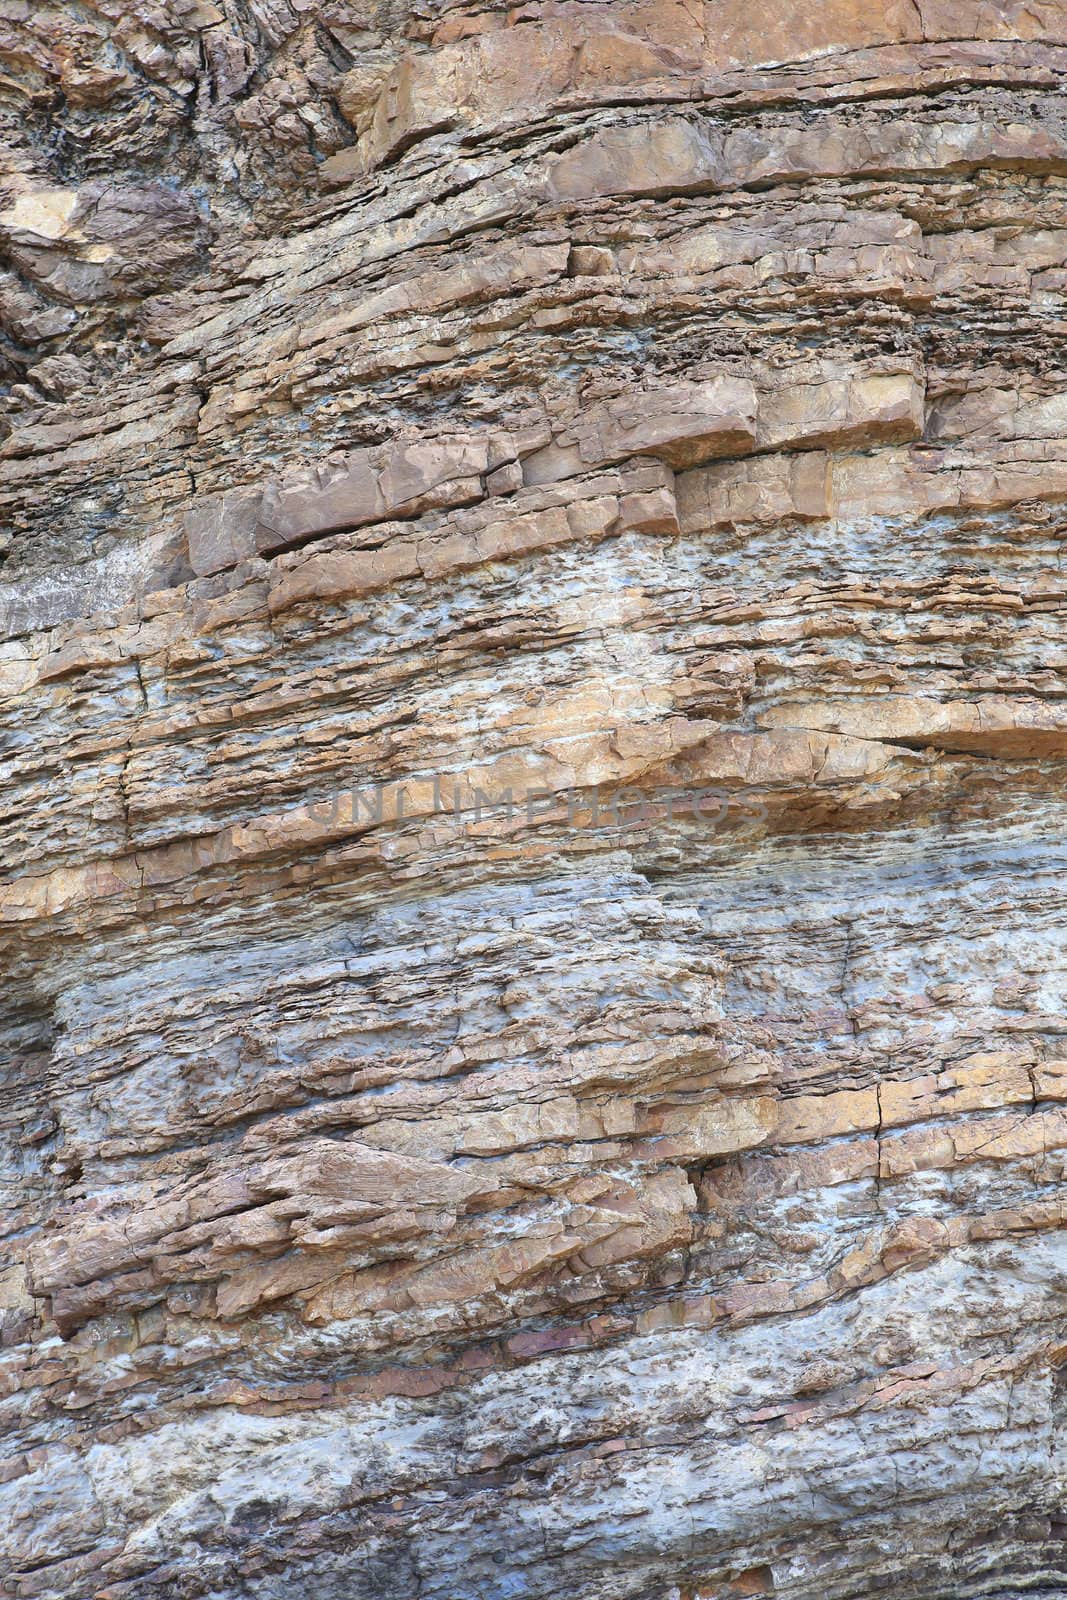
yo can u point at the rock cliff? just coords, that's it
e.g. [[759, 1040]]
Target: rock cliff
[[533, 816]]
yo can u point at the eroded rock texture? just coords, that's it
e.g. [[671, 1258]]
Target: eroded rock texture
[[655, 411]]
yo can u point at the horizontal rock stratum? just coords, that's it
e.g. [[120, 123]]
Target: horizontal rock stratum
[[533, 691]]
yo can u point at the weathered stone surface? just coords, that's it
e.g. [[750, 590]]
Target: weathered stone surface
[[532, 829]]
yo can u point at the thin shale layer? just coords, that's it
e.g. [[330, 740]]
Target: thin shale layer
[[533, 734]]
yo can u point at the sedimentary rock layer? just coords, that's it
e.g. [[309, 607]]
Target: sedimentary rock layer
[[532, 826]]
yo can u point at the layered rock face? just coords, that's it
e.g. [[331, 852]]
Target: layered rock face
[[533, 801]]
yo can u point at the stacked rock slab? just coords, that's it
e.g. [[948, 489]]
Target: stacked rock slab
[[534, 739]]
